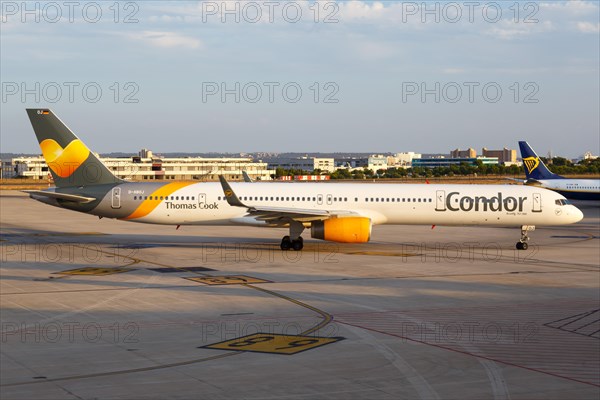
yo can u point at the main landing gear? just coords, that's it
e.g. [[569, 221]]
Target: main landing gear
[[522, 244], [294, 240]]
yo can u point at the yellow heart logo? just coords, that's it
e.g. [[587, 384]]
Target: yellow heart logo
[[63, 162]]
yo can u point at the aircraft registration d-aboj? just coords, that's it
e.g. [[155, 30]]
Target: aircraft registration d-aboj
[[338, 212]]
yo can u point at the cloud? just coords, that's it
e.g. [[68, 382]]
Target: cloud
[[588, 27], [359, 10], [167, 39], [572, 7], [452, 71], [507, 30]]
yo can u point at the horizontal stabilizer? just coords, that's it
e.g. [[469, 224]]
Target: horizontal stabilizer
[[60, 196]]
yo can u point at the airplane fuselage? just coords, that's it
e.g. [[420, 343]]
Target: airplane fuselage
[[577, 189], [203, 203]]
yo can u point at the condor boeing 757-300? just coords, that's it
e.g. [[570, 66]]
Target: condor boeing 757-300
[[339, 212]]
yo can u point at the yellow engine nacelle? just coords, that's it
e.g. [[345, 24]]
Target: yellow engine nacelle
[[343, 230]]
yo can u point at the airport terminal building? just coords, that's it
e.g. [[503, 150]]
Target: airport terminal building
[[139, 168]]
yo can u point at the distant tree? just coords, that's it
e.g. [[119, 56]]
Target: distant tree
[[341, 174], [561, 161], [358, 174]]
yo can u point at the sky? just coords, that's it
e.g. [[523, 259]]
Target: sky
[[304, 76]]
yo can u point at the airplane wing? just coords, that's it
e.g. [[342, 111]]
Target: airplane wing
[[280, 214], [530, 181], [61, 196]]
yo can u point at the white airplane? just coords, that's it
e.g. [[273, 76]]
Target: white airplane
[[538, 175], [339, 212]]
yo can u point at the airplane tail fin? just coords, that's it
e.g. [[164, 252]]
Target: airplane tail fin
[[534, 167], [70, 162]]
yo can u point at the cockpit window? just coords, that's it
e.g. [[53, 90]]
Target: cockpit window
[[562, 202]]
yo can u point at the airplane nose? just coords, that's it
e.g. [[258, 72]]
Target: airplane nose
[[575, 214]]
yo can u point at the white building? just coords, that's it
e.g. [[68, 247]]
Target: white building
[[377, 161], [304, 163], [139, 169], [404, 160]]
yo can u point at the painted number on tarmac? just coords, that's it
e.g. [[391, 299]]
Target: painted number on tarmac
[[94, 271], [273, 343], [227, 280]]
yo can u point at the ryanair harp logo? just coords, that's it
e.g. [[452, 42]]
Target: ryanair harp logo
[[531, 163]]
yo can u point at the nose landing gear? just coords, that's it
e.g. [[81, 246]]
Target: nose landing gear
[[522, 244]]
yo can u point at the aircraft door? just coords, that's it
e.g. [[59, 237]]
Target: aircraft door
[[320, 199], [440, 200], [329, 199], [201, 200], [116, 198], [537, 202]]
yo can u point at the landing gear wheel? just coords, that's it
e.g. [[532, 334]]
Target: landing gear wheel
[[298, 244], [522, 244], [286, 243]]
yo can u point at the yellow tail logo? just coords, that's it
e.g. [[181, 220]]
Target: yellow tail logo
[[531, 163], [63, 162]]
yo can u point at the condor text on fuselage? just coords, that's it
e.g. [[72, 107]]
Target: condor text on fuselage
[[482, 203]]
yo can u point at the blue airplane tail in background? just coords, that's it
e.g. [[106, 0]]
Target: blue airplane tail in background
[[534, 167]]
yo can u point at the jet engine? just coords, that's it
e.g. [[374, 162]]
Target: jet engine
[[343, 230]]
